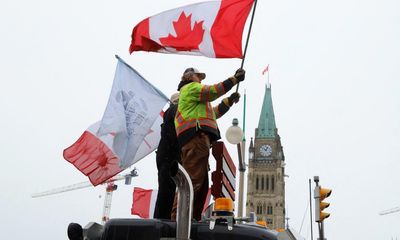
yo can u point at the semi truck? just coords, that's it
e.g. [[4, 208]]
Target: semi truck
[[218, 221]]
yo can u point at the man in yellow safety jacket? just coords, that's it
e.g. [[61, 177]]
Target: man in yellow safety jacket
[[196, 127]]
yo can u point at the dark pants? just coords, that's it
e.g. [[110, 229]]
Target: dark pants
[[195, 155], [165, 196]]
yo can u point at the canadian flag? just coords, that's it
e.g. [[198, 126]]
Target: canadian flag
[[213, 29], [130, 128], [144, 202], [265, 70]]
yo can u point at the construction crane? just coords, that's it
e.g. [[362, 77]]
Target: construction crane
[[110, 188], [389, 211]]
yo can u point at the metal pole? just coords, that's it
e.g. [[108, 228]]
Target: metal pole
[[241, 189], [247, 40], [242, 162], [242, 170], [241, 179], [321, 235], [244, 116], [309, 184], [185, 201], [320, 224]]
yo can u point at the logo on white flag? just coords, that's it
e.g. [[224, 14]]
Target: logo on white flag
[[135, 110]]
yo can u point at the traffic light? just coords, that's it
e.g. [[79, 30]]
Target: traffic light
[[320, 194]]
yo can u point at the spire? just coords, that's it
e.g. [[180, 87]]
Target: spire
[[266, 124]]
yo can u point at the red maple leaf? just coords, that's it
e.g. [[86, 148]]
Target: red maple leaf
[[186, 38]]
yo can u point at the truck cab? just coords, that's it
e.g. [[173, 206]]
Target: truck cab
[[218, 221]]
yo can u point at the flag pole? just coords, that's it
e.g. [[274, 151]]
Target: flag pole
[[248, 37], [242, 163], [244, 115]]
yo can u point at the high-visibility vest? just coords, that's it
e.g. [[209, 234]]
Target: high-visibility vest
[[195, 111]]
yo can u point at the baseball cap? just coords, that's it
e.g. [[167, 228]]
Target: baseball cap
[[192, 70]]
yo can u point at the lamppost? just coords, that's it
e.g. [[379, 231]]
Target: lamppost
[[234, 135]]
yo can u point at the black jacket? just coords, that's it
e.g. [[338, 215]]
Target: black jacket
[[168, 148]]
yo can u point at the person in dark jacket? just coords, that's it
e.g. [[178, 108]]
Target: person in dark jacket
[[168, 151]]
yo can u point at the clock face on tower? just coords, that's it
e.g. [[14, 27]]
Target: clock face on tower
[[265, 150]]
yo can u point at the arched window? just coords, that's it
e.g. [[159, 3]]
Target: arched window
[[257, 182], [264, 208], [272, 183], [269, 209], [259, 209], [267, 183], [262, 183]]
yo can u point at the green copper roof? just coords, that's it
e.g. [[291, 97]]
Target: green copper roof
[[266, 124]]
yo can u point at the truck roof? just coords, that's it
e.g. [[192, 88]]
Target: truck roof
[[155, 229]]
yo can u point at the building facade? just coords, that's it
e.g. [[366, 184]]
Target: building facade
[[265, 179]]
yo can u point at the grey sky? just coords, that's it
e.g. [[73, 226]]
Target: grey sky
[[334, 70]]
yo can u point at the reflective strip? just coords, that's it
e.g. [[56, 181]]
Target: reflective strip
[[220, 88], [209, 111], [225, 192], [208, 122], [179, 117], [183, 127], [228, 174], [205, 93], [228, 187], [216, 111], [192, 124]]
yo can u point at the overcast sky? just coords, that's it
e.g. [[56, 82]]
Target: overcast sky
[[335, 75]]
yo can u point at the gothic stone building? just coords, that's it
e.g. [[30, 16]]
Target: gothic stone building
[[265, 180]]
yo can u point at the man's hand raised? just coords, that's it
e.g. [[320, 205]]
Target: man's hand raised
[[233, 98], [240, 74]]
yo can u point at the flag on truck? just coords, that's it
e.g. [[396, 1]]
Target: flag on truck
[[144, 202], [213, 29], [128, 131]]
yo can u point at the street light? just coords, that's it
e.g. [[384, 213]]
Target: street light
[[234, 135]]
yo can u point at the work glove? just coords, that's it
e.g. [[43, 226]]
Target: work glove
[[240, 74], [233, 98]]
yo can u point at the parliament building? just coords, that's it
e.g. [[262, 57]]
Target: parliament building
[[265, 179]]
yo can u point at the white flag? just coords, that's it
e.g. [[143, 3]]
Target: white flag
[[129, 131], [132, 109]]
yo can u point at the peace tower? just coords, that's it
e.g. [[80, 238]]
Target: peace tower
[[265, 179]]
